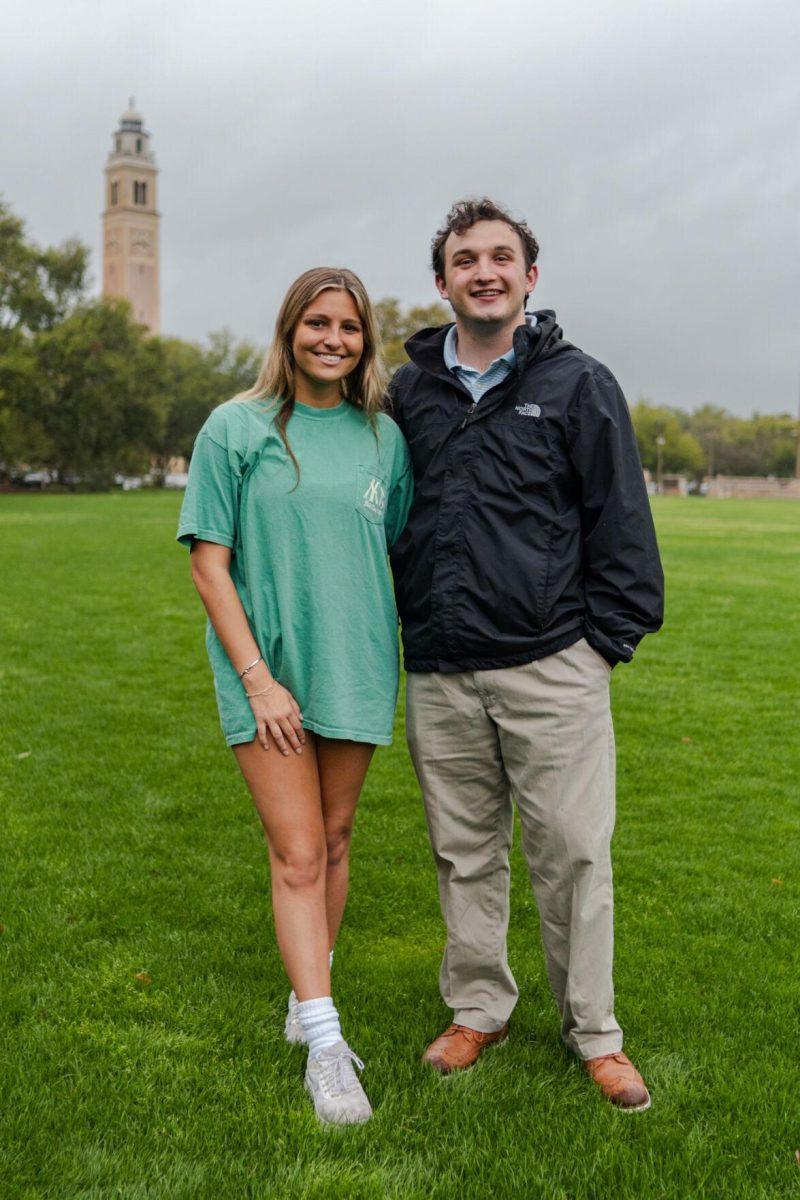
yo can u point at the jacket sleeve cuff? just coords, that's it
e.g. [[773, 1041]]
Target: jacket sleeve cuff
[[613, 649]]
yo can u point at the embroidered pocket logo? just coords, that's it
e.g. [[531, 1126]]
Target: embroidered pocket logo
[[374, 497], [371, 495], [529, 410]]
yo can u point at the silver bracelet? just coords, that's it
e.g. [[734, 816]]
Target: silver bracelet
[[250, 666], [250, 695]]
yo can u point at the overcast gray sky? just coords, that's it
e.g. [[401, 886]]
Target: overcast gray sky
[[653, 148]]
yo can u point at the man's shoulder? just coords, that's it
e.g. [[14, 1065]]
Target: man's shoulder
[[598, 385], [405, 375], [404, 381], [576, 370], [591, 367]]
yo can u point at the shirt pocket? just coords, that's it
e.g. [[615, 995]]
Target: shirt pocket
[[372, 494]]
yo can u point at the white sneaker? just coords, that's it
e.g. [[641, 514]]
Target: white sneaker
[[292, 1029], [339, 1098]]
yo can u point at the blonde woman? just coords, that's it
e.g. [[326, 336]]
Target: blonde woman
[[296, 490]]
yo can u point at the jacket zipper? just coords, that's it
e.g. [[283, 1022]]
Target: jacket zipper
[[491, 400], [468, 414]]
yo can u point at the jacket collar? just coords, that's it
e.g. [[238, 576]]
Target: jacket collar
[[426, 348]]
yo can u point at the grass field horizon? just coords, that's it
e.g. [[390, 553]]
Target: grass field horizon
[[142, 994]]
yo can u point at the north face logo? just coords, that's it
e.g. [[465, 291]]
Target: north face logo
[[529, 410], [374, 497]]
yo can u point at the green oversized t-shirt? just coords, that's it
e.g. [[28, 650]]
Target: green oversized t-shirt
[[309, 562]]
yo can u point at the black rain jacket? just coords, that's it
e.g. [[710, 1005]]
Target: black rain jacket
[[530, 526]]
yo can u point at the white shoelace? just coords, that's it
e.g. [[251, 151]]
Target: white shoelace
[[338, 1071]]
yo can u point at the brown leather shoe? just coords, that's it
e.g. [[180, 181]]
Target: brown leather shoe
[[460, 1047], [619, 1081]]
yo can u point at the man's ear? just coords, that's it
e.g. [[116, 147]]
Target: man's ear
[[531, 277], [441, 287]]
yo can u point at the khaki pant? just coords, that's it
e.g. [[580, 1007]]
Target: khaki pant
[[540, 734]]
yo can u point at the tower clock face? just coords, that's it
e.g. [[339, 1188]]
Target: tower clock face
[[142, 243]]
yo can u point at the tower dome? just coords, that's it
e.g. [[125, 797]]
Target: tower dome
[[131, 139]]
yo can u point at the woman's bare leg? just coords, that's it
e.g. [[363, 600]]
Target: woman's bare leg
[[286, 793], [342, 769]]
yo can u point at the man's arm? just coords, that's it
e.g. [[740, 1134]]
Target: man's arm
[[623, 579]]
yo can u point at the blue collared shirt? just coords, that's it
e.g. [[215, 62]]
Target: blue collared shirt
[[477, 382]]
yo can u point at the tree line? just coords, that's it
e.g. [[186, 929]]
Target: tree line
[[86, 393], [710, 441]]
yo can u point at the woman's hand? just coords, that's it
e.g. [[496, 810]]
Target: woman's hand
[[278, 716]]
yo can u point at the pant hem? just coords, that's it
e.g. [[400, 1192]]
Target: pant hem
[[478, 1021], [597, 1048]]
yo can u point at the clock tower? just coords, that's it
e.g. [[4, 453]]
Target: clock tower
[[130, 222]]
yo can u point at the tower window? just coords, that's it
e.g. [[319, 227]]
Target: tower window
[[118, 142], [138, 145], [139, 192], [115, 192]]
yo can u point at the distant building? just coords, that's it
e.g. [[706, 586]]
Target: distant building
[[674, 485], [130, 222]]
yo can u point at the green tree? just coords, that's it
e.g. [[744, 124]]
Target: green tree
[[195, 379], [389, 317], [759, 445], [38, 287], [397, 326], [681, 451], [710, 424], [97, 387], [185, 398], [22, 436], [234, 364]]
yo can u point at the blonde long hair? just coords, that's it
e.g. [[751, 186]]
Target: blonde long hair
[[364, 388]]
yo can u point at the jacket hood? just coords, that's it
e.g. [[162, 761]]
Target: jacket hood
[[531, 342]]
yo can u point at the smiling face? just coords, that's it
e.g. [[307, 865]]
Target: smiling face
[[328, 341], [485, 277]]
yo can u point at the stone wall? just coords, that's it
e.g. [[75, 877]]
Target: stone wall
[[753, 487]]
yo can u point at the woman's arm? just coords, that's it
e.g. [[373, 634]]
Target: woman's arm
[[276, 711]]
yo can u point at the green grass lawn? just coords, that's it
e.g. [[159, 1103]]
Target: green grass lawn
[[142, 1000]]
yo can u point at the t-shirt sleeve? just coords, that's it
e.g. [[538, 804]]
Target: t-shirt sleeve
[[401, 493], [210, 509]]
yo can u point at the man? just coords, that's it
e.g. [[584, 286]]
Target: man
[[527, 570]]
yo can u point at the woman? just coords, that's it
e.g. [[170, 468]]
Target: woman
[[296, 489]]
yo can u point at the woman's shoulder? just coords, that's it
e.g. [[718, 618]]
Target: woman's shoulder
[[389, 429], [233, 423]]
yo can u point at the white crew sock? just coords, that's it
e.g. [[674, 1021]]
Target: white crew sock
[[293, 994], [320, 1022]]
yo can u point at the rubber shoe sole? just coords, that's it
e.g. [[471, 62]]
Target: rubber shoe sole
[[634, 1108]]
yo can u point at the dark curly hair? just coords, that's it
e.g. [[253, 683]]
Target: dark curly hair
[[466, 213]]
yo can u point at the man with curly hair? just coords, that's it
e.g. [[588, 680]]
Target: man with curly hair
[[527, 570]]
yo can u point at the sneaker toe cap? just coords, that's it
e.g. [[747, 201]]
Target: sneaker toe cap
[[351, 1114]]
